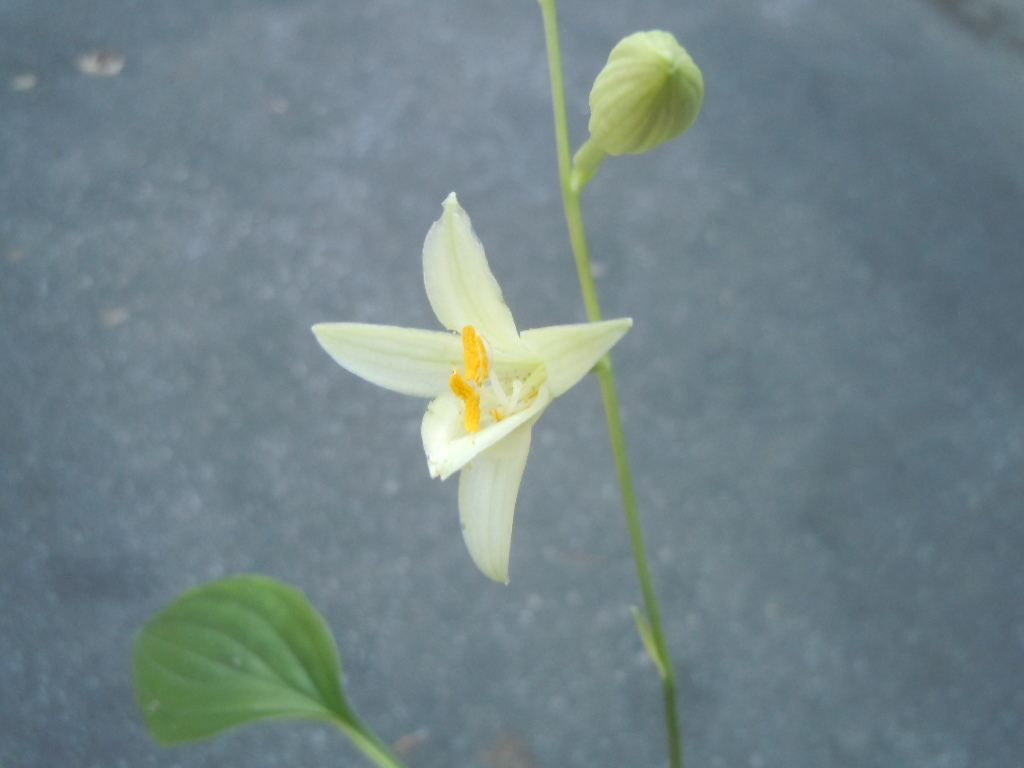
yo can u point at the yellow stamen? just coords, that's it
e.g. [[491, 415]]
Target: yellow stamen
[[468, 395], [498, 415], [477, 365]]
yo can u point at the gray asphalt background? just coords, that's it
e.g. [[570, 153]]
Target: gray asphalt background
[[824, 388]]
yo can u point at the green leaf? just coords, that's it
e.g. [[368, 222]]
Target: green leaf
[[234, 651], [647, 635]]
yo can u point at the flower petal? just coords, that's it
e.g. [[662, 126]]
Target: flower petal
[[461, 288], [487, 502], [450, 447], [406, 360], [571, 351]]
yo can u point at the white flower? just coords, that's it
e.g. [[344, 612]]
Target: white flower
[[489, 383]]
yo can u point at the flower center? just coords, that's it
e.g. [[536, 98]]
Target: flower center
[[480, 386]]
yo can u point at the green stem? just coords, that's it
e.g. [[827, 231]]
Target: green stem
[[577, 236], [366, 740]]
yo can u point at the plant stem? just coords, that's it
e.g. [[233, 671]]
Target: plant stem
[[366, 740], [606, 374]]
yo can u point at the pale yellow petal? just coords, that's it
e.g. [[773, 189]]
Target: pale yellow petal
[[488, 488], [406, 360], [449, 447], [461, 288], [571, 351]]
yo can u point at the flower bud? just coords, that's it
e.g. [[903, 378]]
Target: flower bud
[[650, 91]]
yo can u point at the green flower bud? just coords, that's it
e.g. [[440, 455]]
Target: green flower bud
[[650, 91]]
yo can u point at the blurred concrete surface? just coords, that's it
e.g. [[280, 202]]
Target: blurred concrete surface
[[824, 387]]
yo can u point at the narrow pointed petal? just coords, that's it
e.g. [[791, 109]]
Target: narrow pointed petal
[[487, 502], [571, 351], [461, 288], [406, 360], [449, 447]]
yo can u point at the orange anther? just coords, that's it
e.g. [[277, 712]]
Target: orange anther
[[475, 353], [468, 395]]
